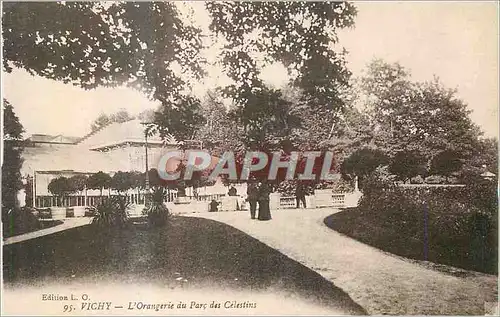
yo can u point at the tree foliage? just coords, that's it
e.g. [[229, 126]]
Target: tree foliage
[[78, 182], [300, 35], [12, 161], [12, 128], [445, 163], [363, 162], [104, 119], [61, 186], [180, 118], [219, 131], [407, 115], [122, 181], [488, 154], [408, 164], [93, 44], [99, 180]]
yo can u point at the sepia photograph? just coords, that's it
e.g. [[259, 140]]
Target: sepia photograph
[[234, 158]]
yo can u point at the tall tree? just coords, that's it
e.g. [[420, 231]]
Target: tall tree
[[104, 119], [141, 45], [363, 162], [424, 117], [301, 36], [218, 131], [100, 122], [12, 128], [180, 118], [93, 44], [12, 161]]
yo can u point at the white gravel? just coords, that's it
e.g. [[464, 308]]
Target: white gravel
[[380, 282]]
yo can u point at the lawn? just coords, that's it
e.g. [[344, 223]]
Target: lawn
[[402, 233], [13, 230], [191, 250]]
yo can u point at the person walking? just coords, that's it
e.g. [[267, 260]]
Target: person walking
[[252, 198], [264, 211], [233, 193], [300, 195]]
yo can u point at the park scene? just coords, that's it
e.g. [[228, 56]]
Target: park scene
[[316, 171]]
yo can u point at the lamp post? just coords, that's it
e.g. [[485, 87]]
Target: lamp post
[[146, 200]]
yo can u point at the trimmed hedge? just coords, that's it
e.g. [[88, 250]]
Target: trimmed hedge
[[461, 223]]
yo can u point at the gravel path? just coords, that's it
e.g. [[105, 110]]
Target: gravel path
[[190, 259], [380, 282]]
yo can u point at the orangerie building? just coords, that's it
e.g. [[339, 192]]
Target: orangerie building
[[115, 147]]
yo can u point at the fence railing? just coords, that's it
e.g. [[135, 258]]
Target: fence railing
[[207, 197], [338, 200], [79, 200], [287, 202]]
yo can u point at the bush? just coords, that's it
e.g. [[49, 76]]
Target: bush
[[289, 187], [111, 212], [435, 179], [461, 222], [19, 221], [343, 186], [417, 180], [156, 211]]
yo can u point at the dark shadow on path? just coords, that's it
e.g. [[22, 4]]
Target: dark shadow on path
[[193, 251]]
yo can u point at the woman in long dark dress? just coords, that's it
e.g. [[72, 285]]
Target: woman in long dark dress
[[264, 211]]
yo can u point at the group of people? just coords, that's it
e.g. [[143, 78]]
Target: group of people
[[259, 193]]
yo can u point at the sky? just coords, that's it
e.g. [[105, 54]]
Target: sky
[[456, 41]]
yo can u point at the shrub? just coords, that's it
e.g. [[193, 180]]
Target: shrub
[[111, 212], [417, 180], [156, 211], [445, 163], [19, 221], [435, 179], [484, 195], [407, 164], [289, 187], [461, 222], [343, 186]]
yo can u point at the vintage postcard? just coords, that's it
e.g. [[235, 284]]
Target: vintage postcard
[[249, 158]]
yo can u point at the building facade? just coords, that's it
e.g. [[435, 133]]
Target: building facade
[[115, 147]]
